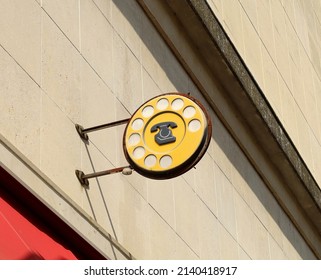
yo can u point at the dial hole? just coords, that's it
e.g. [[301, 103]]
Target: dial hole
[[177, 104], [137, 124], [166, 161], [148, 111], [139, 152], [133, 139], [194, 125], [162, 104], [189, 112], [150, 160]]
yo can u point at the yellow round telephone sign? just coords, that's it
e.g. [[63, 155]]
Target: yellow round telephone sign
[[167, 136]]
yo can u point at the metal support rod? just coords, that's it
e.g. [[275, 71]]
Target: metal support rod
[[83, 131], [105, 172], [107, 125], [83, 178]]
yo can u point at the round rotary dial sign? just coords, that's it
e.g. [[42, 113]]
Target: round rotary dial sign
[[167, 136]]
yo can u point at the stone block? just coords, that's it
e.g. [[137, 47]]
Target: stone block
[[96, 40], [245, 226], [317, 86], [189, 178], [252, 54], [242, 255], [240, 168], [298, 92], [315, 55], [186, 201], [311, 113], [149, 87], [139, 183], [209, 237], [300, 23], [250, 7], [278, 18], [66, 15], [60, 149], [261, 241], [133, 220], [183, 251], [225, 202], [228, 245], [283, 58], [275, 250], [61, 70], [271, 86], [222, 142], [306, 75], [127, 75], [233, 15], [20, 36], [176, 78], [265, 27], [258, 196], [153, 54], [289, 9], [160, 196], [160, 233], [97, 108], [20, 107], [121, 114], [105, 7], [294, 45], [205, 186], [127, 19]]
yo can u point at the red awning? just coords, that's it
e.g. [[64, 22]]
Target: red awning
[[21, 238]]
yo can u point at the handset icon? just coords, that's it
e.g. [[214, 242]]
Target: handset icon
[[164, 135]]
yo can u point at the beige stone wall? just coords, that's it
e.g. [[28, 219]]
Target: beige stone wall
[[280, 42], [91, 62]]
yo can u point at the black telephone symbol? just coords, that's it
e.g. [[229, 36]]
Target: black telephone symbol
[[164, 135]]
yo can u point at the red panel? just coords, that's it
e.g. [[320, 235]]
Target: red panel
[[30, 230], [22, 239]]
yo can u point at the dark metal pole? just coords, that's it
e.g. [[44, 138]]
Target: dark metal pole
[[105, 172], [99, 127], [83, 178], [83, 131]]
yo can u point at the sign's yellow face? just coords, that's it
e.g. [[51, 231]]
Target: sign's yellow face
[[167, 136]]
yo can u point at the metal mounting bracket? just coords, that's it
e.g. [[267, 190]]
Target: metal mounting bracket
[[83, 178], [83, 131]]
